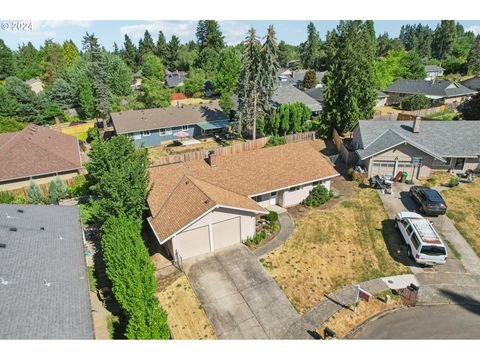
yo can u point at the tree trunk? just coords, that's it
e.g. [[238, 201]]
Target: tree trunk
[[254, 130]]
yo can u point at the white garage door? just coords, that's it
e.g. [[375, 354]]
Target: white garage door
[[383, 167], [226, 233], [193, 242]]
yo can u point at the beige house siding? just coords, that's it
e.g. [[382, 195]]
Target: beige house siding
[[44, 179], [473, 164], [403, 153]]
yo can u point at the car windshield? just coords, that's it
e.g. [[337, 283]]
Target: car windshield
[[433, 250]]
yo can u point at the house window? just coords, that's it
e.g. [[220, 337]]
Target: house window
[[459, 163], [294, 188], [146, 133], [136, 136], [166, 131], [185, 128], [257, 198]]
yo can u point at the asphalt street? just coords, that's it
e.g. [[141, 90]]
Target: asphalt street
[[425, 322]]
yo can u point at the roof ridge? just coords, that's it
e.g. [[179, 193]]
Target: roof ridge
[[378, 137], [11, 139], [217, 186]]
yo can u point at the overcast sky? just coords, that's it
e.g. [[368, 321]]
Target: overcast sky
[[293, 32]]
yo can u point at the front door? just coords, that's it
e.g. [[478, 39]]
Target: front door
[[273, 198], [459, 163]]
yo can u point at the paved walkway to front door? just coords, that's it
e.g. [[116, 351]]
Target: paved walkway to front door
[[239, 297]]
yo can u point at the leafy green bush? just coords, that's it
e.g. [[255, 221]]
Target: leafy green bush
[[275, 140], [79, 187], [454, 181], [10, 198], [272, 216], [415, 102], [131, 271], [318, 195], [257, 238], [92, 134], [10, 125], [86, 214]]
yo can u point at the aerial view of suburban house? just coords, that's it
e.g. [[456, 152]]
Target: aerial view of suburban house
[[36, 85], [387, 147], [295, 77], [472, 83], [285, 94], [174, 78], [44, 287], [433, 72], [137, 80], [441, 91], [317, 94], [39, 153], [151, 127], [204, 205]]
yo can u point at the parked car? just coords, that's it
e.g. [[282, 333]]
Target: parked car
[[430, 201], [424, 244]]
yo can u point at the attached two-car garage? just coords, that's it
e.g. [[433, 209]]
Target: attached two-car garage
[[207, 238]]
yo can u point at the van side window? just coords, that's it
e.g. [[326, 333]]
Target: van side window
[[409, 230], [415, 241]]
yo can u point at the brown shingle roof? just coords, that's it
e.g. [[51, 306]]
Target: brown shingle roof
[[149, 119], [231, 182], [192, 198], [36, 151]]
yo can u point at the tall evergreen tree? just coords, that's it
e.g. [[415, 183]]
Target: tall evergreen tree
[[161, 48], [146, 45], [282, 54], [444, 39], [98, 71], [27, 62], [249, 84], [70, 52], [473, 59], [173, 49], [268, 70], [130, 53], [34, 194], [209, 35], [53, 59], [310, 49], [6, 61], [349, 91], [115, 48]]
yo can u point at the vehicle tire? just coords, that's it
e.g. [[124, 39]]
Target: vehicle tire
[[409, 253], [395, 224]]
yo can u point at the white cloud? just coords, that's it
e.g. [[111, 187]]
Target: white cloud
[[54, 24], [234, 31], [475, 29], [185, 30]]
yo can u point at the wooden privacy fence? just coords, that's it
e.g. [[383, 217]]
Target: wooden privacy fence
[[411, 115], [248, 145], [348, 156]]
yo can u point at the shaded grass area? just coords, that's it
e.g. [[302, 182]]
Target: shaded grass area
[[186, 318], [92, 280], [464, 210], [333, 248]]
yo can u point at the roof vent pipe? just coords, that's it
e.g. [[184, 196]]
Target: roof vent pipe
[[416, 124]]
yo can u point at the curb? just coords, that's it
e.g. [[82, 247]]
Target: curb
[[353, 332]]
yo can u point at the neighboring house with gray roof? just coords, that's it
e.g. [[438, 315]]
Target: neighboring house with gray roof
[[151, 127], [472, 83], [137, 80], [317, 94], [433, 72], [387, 147], [44, 292], [295, 77], [285, 94], [174, 78], [441, 91]]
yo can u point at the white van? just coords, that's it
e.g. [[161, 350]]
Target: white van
[[424, 244]]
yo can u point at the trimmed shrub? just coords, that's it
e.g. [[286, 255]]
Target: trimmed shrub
[[454, 181], [275, 140], [10, 198], [415, 102], [92, 134], [35, 195], [272, 216], [79, 187], [318, 195], [132, 274]]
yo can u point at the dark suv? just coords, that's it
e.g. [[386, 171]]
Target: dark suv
[[430, 201]]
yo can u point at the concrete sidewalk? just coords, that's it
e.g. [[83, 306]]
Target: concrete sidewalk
[[286, 229]]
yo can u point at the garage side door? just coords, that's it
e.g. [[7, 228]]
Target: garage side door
[[226, 233], [193, 242]]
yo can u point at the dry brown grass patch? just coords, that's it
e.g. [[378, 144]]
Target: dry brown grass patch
[[333, 248], [186, 318], [464, 209], [346, 320]]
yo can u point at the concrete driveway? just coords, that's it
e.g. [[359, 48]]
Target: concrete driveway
[[425, 322], [239, 297], [453, 282]]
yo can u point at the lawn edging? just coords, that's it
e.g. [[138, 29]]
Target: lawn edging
[[287, 226], [352, 333]]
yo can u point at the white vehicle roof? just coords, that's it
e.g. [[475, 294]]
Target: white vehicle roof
[[422, 227]]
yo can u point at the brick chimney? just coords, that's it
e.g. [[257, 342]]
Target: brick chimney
[[416, 124], [212, 158]]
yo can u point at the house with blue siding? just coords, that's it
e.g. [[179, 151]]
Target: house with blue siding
[[152, 127]]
